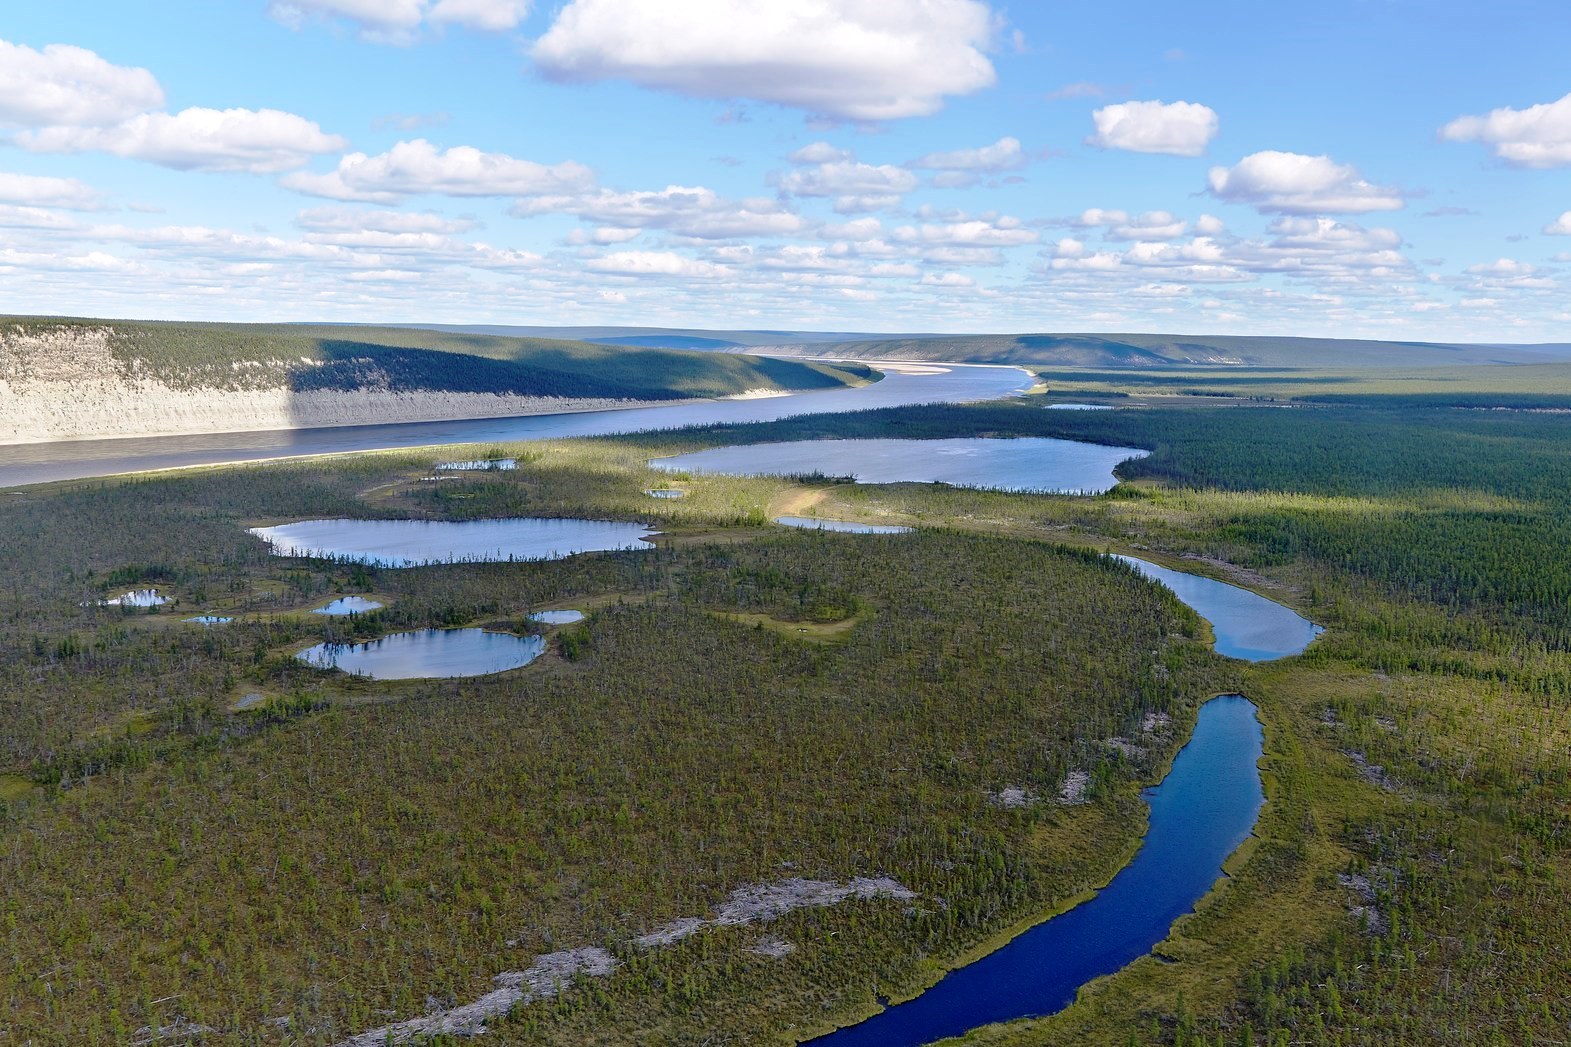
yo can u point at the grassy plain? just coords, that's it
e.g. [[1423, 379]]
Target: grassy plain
[[355, 848]]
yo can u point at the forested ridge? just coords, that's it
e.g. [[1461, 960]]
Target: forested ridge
[[303, 358]]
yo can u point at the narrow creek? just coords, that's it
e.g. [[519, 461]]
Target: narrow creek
[[1205, 807], [1200, 813]]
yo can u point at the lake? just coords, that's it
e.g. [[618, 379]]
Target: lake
[[1246, 624], [135, 598], [348, 605], [1200, 813], [74, 459], [814, 523], [428, 654], [414, 543], [567, 617], [1025, 464]]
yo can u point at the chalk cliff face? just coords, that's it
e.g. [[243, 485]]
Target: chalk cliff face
[[67, 383]]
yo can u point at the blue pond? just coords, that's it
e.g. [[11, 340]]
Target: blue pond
[[1246, 624], [1201, 812], [348, 605], [428, 654], [814, 523], [413, 543], [567, 617], [1024, 464]]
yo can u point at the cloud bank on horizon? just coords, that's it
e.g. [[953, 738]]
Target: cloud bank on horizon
[[830, 164]]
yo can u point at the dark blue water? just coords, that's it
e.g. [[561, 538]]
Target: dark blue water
[[73, 459], [1246, 624], [1201, 812]]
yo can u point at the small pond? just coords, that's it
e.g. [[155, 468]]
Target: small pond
[[666, 493], [428, 654], [1246, 624], [349, 605], [479, 465], [567, 617], [136, 598], [1079, 407], [1025, 464], [413, 543], [209, 619], [814, 523], [1200, 813]]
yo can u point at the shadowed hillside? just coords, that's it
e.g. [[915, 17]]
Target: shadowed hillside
[[69, 378]]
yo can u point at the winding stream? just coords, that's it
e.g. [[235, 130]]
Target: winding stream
[[1200, 813]]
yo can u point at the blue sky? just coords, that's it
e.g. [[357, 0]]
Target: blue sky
[[1377, 168]]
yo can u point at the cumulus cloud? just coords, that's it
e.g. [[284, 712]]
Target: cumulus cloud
[[1292, 183], [1000, 232], [1177, 128], [692, 211], [37, 191], [1118, 225], [197, 139], [352, 220], [398, 21], [1538, 136], [415, 167], [654, 263], [845, 59], [64, 85], [855, 186], [1003, 155], [1560, 226], [819, 153]]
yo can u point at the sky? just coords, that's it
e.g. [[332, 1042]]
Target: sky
[[1346, 168]]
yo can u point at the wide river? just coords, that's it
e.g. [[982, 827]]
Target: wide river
[[76, 459]]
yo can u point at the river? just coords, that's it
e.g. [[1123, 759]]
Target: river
[[901, 386]]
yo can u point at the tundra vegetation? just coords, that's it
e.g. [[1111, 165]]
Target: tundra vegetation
[[346, 854]]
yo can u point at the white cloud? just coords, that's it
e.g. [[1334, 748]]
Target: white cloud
[[350, 219], [196, 139], [819, 153], [1003, 232], [1177, 128], [654, 263], [847, 59], [398, 21], [1152, 225], [415, 167], [38, 191], [1292, 183], [848, 178], [685, 210], [947, 280], [1560, 226], [1538, 136], [1003, 155], [64, 85]]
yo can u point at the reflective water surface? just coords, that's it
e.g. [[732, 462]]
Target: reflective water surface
[[72, 459], [1025, 464], [814, 523], [428, 654], [413, 543], [348, 605], [1200, 813], [1246, 624]]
